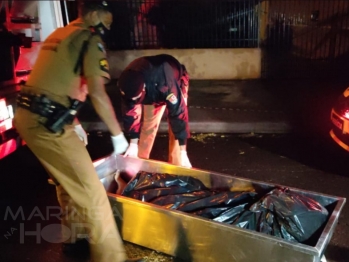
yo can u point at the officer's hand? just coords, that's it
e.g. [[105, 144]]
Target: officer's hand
[[132, 150], [120, 143], [81, 133], [184, 159]]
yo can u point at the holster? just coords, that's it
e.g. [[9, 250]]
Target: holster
[[56, 114]]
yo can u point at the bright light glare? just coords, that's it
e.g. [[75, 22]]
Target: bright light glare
[[7, 148], [6, 125], [10, 111], [98, 162], [346, 114], [3, 110]]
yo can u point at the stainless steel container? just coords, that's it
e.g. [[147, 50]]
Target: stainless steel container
[[194, 238]]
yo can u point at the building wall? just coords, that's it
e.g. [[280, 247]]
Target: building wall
[[237, 63]]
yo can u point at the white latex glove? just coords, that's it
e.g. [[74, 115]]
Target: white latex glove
[[120, 143], [184, 159], [132, 150], [81, 133]]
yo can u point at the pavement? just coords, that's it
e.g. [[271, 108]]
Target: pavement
[[219, 106], [246, 106], [240, 106]]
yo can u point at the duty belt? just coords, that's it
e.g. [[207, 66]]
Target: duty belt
[[57, 115], [39, 104]]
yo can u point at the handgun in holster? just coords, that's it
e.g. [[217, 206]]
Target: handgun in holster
[[63, 116]]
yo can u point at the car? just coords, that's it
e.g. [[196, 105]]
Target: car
[[9, 138], [340, 121]]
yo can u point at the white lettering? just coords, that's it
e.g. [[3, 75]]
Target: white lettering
[[30, 233], [36, 212], [48, 213], [116, 212], [9, 211], [55, 233]]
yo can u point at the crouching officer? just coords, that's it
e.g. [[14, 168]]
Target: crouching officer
[[148, 86], [71, 63]]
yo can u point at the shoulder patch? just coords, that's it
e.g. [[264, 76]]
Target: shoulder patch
[[172, 99], [103, 64]]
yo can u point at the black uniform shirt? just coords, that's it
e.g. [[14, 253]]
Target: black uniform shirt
[[162, 74]]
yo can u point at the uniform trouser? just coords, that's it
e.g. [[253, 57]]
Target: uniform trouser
[[84, 201], [151, 120]]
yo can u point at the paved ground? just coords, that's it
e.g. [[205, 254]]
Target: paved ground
[[217, 106], [246, 106], [242, 106]]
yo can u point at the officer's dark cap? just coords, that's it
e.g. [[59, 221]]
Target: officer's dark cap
[[131, 83], [94, 5]]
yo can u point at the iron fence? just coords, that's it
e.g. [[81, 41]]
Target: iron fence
[[153, 24], [305, 38], [298, 38]]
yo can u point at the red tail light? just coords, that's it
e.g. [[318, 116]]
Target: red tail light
[[6, 115]]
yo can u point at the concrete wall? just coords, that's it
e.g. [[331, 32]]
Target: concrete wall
[[239, 63], [210, 64]]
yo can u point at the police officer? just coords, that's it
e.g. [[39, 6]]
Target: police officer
[[149, 85], [72, 62]]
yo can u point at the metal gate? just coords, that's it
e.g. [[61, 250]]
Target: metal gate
[[298, 38], [156, 24], [304, 38]]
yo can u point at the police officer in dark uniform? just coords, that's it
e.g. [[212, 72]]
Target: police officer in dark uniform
[[72, 63], [149, 85]]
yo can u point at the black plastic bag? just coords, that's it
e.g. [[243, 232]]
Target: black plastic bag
[[264, 222], [146, 186], [296, 217], [174, 201], [221, 199], [154, 193], [268, 224], [248, 220], [146, 180], [211, 212], [230, 214]]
